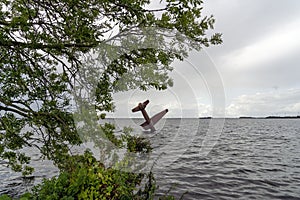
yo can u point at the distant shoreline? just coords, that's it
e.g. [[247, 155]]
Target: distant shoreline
[[272, 117], [242, 117]]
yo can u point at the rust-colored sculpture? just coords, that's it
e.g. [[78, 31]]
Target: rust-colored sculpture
[[150, 122]]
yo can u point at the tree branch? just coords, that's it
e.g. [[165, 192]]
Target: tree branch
[[47, 46], [13, 110]]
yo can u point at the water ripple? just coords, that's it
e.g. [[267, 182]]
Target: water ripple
[[253, 159]]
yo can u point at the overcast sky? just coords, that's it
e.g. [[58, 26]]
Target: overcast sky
[[257, 66]]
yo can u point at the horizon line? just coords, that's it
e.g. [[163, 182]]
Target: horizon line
[[209, 117]]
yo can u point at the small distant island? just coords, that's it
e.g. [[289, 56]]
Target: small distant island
[[272, 117], [279, 117], [267, 117]]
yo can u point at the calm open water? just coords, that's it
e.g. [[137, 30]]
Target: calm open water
[[251, 159]]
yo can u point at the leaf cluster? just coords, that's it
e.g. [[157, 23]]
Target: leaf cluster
[[57, 53], [85, 178]]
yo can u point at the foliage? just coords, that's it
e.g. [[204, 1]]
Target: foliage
[[137, 144], [86, 178], [25, 196], [45, 44], [5, 197], [83, 177], [54, 52]]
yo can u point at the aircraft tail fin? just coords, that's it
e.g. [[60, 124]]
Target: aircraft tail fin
[[141, 106]]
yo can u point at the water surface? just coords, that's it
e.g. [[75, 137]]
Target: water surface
[[252, 159]]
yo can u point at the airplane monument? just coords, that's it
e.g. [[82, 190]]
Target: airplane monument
[[150, 122]]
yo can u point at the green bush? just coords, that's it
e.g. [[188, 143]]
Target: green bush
[[85, 178]]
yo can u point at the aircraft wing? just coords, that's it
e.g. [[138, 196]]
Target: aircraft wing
[[154, 119]]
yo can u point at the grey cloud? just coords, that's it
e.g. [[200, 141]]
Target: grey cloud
[[243, 23], [284, 102]]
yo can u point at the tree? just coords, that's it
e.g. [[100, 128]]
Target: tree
[[47, 49]]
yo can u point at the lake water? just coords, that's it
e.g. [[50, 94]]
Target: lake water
[[249, 159]]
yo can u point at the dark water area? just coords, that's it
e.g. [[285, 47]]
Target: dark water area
[[14, 184], [253, 159], [250, 159]]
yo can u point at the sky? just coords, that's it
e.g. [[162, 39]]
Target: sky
[[255, 72]]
